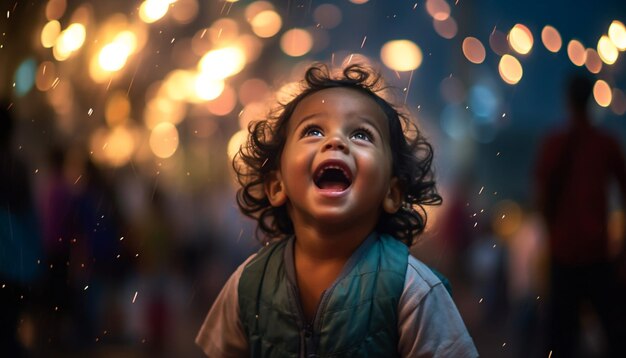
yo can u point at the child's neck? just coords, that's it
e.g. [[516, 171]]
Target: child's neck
[[322, 244]]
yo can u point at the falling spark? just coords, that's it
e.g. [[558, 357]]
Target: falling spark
[[36, 171], [90, 112], [415, 6], [503, 344], [8, 13], [480, 301], [86, 287], [350, 59], [476, 224], [55, 83], [135, 296], [121, 238], [550, 354], [494, 246], [503, 216], [503, 115], [363, 43], [538, 297], [481, 190], [498, 154], [408, 87], [203, 33], [264, 162], [80, 176]]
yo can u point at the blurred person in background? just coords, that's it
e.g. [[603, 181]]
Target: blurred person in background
[[19, 243], [574, 169]]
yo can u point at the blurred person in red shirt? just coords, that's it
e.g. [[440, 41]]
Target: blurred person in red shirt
[[574, 170]]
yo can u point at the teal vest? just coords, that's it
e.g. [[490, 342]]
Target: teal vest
[[356, 317]]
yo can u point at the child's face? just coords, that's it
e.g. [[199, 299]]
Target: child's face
[[336, 164]]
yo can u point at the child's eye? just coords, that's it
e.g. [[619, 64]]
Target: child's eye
[[311, 131], [363, 134]]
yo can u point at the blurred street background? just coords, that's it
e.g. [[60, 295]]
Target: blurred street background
[[118, 223]]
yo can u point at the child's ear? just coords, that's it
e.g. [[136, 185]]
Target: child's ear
[[393, 199], [275, 190]]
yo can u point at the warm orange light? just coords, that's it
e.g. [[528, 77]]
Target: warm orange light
[[521, 39], [49, 33], [607, 50], [266, 23], [473, 50], [224, 104], [236, 141], [46, 76], [593, 61], [401, 55], [153, 10], [576, 52], [117, 109], [222, 63], [551, 39], [327, 15], [164, 140], [602, 93], [296, 42], [510, 69], [446, 28], [438, 9], [617, 34]]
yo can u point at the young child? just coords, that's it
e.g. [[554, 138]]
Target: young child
[[333, 179]]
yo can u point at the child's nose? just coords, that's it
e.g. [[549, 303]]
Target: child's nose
[[335, 143]]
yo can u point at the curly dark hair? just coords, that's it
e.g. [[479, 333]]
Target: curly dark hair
[[412, 158]]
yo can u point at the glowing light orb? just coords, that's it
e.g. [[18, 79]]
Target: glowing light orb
[[607, 50], [46, 75], [221, 63], [507, 218], [113, 56], [69, 41], [55, 9], [224, 103], [617, 34], [551, 39], [49, 33], [438, 9], [296, 42], [164, 140], [499, 43], [446, 28], [473, 50], [327, 15], [576, 52], [521, 39], [112, 147], [207, 87], [117, 109], [266, 23], [252, 90], [359, 2], [602, 93], [510, 69], [593, 61], [257, 7], [401, 55], [153, 10]]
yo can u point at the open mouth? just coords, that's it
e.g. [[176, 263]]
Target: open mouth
[[333, 176]]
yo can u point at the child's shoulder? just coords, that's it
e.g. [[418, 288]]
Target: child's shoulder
[[420, 278]]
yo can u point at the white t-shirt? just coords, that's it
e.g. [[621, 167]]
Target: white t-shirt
[[428, 322]]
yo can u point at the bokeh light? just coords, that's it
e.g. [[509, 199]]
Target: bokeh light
[[253, 90], [359, 2], [114, 55], [162, 109], [257, 7], [617, 34], [207, 87], [607, 50], [164, 140], [223, 32], [499, 43], [401, 55], [25, 76], [46, 76], [438, 9], [266, 23], [222, 63], [473, 50], [113, 147], [576, 52], [117, 109], [224, 103], [184, 11], [446, 28], [153, 10], [602, 93], [510, 69], [593, 61], [551, 39], [296, 42], [69, 41], [327, 15], [55, 9], [49, 33], [521, 39]]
